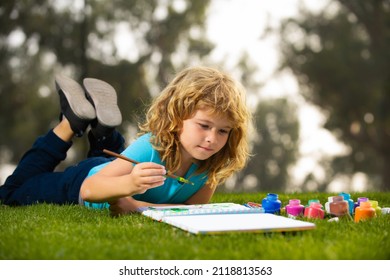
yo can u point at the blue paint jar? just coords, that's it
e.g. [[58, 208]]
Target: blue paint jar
[[351, 204], [271, 204]]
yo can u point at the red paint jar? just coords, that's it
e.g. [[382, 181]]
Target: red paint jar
[[314, 211]]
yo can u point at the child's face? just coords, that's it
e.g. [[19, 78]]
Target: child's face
[[203, 135]]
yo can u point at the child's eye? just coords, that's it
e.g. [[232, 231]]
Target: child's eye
[[204, 126], [223, 131]]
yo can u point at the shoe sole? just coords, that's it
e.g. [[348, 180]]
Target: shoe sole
[[76, 98], [104, 99]]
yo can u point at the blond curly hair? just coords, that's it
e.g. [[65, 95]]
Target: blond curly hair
[[192, 89]]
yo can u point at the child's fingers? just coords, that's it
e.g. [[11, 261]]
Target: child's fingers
[[151, 169], [149, 175]]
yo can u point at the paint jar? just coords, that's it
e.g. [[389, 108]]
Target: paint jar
[[338, 207], [374, 204], [295, 208], [364, 211], [271, 204], [351, 205], [360, 199], [330, 199], [312, 200], [314, 211], [386, 210]]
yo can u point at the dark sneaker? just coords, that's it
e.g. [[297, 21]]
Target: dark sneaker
[[103, 97], [74, 104]]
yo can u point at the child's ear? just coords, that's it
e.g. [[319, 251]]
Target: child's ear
[[179, 127]]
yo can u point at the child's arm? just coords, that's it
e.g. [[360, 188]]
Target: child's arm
[[126, 205], [120, 179], [202, 196]]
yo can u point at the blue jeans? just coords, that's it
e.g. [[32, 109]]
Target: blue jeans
[[35, 181]]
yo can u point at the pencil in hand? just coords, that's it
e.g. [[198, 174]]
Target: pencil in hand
[[178, 178]]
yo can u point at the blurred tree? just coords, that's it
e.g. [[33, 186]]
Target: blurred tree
[[39, 39], [275, 147], [341, 59], [274, 139]]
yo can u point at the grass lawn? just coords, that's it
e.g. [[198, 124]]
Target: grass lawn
[[46, 232]]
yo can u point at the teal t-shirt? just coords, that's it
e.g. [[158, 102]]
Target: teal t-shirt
[[172, 192]]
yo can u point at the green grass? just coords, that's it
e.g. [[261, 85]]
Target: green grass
[[48, 232]]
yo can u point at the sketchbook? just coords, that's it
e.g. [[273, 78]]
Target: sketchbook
[[217, 218]]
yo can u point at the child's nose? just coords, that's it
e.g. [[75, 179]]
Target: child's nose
[[211, 137]]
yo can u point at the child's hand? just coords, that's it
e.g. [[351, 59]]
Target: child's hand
[[147, 175]]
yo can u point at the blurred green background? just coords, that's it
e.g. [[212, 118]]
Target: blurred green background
[[338, 54]]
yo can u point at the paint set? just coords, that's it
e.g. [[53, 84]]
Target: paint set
[[338, 206]]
